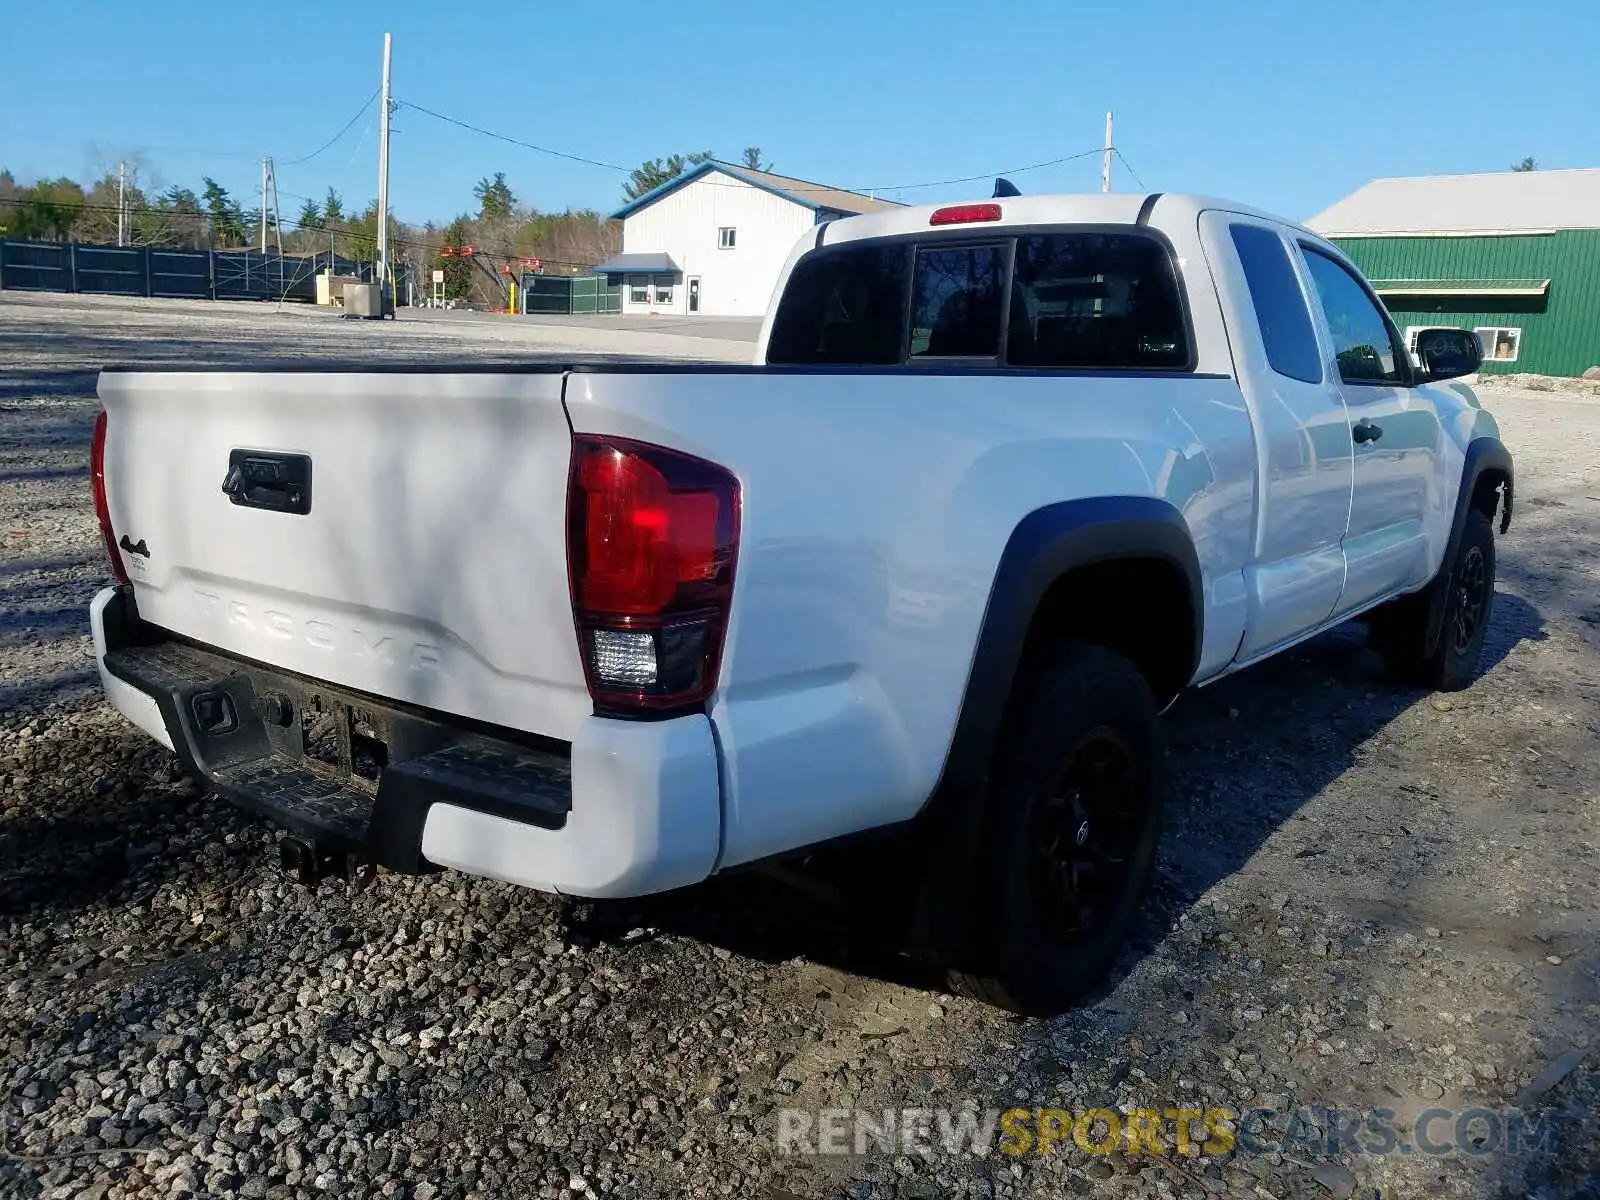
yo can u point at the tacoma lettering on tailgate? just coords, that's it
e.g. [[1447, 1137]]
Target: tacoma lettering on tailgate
[[420, 657]]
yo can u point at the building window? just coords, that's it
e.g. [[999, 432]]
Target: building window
[[1500, 344], [663, 289], [638, 289], [727, 236]]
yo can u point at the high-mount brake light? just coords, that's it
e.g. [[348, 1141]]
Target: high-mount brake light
[[652, 537], [102, 509], [964, 214]]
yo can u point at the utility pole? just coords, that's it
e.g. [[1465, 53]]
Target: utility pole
[[277, 212], [1105, 159], [269, 204], [122, 204], [383, 168]]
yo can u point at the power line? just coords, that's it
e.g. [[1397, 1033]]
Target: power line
[[911, 187], [502, 137], [901, 187], [1122, 158], [295, 162]]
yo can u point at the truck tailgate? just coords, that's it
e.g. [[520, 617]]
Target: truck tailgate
[[429, 566]]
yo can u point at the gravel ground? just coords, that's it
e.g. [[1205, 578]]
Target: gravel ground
[[1369, 898]]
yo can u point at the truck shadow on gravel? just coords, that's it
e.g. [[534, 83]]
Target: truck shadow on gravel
[[1247, 753]]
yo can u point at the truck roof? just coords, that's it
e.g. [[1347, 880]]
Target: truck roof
[[1091, 208]]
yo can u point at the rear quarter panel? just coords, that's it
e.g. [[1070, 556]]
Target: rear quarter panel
[[875, 510]]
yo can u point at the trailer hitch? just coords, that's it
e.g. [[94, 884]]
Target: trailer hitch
[[310, 863]]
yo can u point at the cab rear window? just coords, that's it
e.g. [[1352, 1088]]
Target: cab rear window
[[1095, 300], [1103, 299], [957, 294], [844, 306]]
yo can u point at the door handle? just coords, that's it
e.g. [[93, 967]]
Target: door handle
[[275, 482], [1365, 431]]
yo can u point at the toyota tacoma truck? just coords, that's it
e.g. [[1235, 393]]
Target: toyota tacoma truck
[[1004, 479]]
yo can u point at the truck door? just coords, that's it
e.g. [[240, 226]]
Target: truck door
[[1304, 455], [1394, 432]]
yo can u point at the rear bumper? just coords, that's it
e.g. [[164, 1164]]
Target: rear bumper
[[625, 809]]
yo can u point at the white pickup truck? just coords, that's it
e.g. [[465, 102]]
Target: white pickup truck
[[1006, 478]]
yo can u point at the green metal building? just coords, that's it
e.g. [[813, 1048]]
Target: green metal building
[[1513, 255]]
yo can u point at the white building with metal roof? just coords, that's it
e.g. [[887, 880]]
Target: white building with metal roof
[[713, 241]]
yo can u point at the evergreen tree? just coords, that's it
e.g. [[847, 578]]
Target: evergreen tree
[[648, 176], [495, 200], [227, 219]]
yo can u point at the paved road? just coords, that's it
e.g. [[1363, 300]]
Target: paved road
[[60, 332], [734, 329]]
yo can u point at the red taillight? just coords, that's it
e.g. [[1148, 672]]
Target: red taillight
[[97, 477], [651, 540], [964, 214]]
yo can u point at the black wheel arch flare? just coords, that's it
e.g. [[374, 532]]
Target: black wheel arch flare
[[1046, 545], [1484, 454]]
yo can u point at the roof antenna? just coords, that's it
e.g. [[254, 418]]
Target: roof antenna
[[1004, 187]]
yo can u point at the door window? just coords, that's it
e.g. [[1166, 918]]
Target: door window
[[1280, 306], [1363, 340]]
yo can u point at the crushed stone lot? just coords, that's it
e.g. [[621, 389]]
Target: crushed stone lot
[[1369, 898]]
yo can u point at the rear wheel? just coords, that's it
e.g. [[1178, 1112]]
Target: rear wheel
[[1071, 823], [1401, 632]]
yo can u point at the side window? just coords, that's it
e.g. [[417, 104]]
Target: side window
[[955, 301], [1362, 341], [1107, 300], [1279, 304], [845, 305]]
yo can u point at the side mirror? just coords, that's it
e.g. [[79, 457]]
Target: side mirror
[[1447, 353]]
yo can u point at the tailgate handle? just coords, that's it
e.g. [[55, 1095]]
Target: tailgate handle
[[275, 482]]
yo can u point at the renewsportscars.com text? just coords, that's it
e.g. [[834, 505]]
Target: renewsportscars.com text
[[1325, 1130]]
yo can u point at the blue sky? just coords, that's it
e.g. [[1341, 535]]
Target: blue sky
[[1289, 106]]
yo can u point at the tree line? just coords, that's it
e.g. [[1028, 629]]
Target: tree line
[[503, 229]]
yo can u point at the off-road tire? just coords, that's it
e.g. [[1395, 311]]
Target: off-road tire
[[1091, 707], [1400, 631]]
